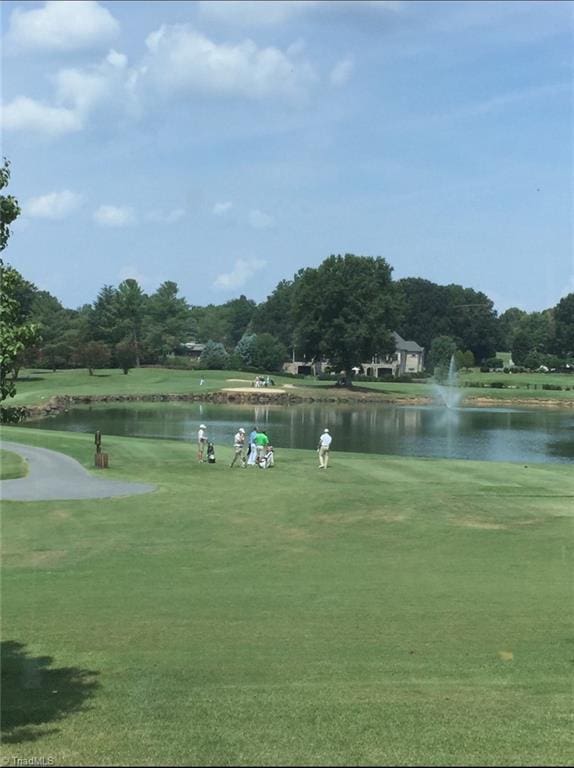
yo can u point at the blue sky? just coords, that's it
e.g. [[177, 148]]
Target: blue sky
[[225, 145]]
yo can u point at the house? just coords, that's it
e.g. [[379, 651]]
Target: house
[[506, 358], [408, 357], [193, 349]]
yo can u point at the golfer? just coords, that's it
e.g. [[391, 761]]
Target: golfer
[[201, 441], [261, 443], [238, 446], [323, 449]]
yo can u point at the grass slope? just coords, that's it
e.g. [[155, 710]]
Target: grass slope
[[12, 466], [389, 611]]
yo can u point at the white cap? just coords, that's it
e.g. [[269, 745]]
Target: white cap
[[325, 430], [241, 429], [202, 426]]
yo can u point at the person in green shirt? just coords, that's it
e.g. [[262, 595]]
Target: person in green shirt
[[261, 442]]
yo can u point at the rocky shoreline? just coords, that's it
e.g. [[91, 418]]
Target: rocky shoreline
[[62, 403]]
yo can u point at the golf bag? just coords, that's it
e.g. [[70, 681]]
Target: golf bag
[[268, 460], [210, 453]]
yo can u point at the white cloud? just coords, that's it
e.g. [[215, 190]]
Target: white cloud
[[341, 72], [86, 89], [62, 25], [220, 209], [24, 114], [78, 92], [260, 220], [55, 205], [118, 60], [242, 271], [112, 216], [181, 59]]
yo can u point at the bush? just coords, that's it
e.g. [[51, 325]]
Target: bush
[[12, 415]]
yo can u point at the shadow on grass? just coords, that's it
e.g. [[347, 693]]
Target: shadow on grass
[[33, 695]]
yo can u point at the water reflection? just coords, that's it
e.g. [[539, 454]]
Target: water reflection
[[496, 434]]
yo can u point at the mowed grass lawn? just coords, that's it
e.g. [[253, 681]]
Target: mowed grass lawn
[[36, 386], [389, 611]]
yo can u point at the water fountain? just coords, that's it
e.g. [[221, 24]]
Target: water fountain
[[450, 393]]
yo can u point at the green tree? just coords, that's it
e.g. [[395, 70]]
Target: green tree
[[429, 311], [422, 308], [56, 354], [468, 360], [275, 314], [534, 337], [9, 208], [168, 321], [131, 309], [563, 342], [269, 353], [95, 354], [214, 356], [57, 329], [211, 323], [345, 310], [238, 315], [441, 351], [17, 333], [125, 354], [245, 349], [103, 322], [472, 320], [509, 324]]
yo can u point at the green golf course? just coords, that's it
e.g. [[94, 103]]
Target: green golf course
[[35, 387], [389, 611]]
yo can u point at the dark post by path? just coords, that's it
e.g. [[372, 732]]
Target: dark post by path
[[101, 458]]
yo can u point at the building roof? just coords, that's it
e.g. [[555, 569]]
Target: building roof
[[192, 346], [406, 346]]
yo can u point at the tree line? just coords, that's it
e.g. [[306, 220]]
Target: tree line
[[344, 310]]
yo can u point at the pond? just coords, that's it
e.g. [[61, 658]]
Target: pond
[[490, 434]]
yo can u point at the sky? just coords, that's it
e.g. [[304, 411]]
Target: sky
[[226, 145]]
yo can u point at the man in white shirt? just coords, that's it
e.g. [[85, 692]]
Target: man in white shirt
[[323, 449], [201, 441], [238, 446]]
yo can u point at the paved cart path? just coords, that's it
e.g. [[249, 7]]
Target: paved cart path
[[52, 475]]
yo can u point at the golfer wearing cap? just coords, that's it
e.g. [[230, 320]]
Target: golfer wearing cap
[[238, 446], [323, 449], [201, 441]]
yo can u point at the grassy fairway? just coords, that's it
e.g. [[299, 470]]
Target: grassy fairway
[[38, 386], [387, 611]]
